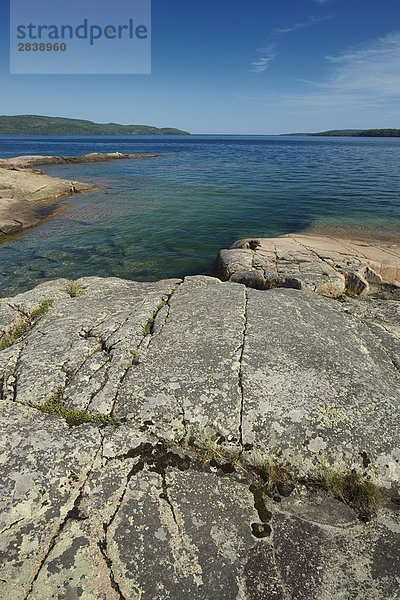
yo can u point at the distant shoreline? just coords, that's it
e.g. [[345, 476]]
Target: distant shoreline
[[42, 125], [351, 133]]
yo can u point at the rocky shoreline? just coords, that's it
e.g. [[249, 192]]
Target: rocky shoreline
[[28, 195], [231, 438]]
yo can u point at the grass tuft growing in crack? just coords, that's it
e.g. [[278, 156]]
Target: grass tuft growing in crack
[[42, 309], [274, 472], [209, 445], [351, 291], [349, 485], [25, 324], [19, 330], [149, 325], [274, 477], [214, 452], [73, 289], [53, 406]]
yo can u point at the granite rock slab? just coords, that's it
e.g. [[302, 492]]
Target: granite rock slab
[[139, 508]]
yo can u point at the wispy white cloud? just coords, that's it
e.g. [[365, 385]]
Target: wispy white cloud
[[322, 1], [268, 53], [267, 56], [362, 81], [310, 21], [372, 69]]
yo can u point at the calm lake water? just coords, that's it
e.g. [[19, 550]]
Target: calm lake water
[[169, 216]]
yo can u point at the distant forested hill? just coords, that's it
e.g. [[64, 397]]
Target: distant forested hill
[[380, 133], [362, 132], [38, 125]]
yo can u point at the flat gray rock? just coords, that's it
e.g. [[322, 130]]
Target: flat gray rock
[[27, 197], [32, 160], [84, 344], [212, 361], [156, 531], [17, 214], [27, 184], [44, 465], [317, 382], [203, 381], [187, 381]]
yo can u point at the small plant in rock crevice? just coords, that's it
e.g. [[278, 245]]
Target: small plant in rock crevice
[[73, 289], [19, 330], [349, 485], [351, 291], [209, 446], [42, 309], [274, 473], [26, 323], [212, 450], [273, 476], [73, 416], [149, 325]]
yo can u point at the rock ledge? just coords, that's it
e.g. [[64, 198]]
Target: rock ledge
[[328, 266], [127, 511]]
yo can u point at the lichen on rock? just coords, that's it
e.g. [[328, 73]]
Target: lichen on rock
[[209, 461]]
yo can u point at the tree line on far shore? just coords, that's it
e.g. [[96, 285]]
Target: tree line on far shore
[[362, 132]]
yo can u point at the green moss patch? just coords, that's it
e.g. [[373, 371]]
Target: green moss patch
[[25, 324], [73, 416]]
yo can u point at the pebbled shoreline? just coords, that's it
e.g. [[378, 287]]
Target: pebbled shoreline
[[28, 195]]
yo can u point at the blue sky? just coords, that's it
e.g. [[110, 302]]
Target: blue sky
[[223, 66]]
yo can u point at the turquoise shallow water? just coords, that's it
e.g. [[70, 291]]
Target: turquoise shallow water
[[169, 216]]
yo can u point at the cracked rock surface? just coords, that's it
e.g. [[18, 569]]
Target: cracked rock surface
[[192, 372], [326, 265]]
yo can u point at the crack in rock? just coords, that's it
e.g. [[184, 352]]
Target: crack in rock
[[72, 514], [240, 370]]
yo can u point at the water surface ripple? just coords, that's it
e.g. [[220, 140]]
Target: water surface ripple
[[169, 216]]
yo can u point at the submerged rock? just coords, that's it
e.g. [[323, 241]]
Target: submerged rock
[[223, 405], [28, 195]]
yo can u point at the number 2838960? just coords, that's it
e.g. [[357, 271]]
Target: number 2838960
[[42, 47]]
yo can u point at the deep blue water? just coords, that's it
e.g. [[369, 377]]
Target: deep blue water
[[169, 216]]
